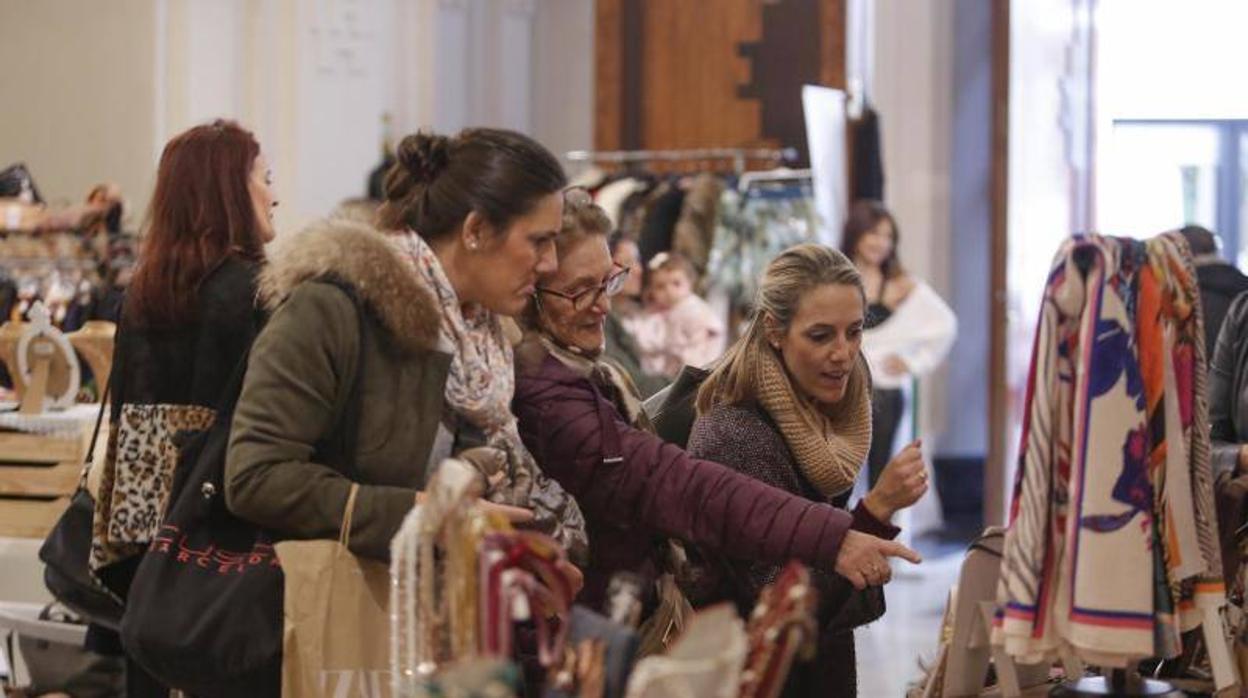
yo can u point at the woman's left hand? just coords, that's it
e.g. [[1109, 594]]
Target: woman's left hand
[[903, 482]]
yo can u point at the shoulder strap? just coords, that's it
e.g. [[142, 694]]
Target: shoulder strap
[[89, 459], [99, 419]]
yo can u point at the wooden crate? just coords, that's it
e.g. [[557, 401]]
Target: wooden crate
[[22, 517], [38, 475], [33, 448], [55, 480]]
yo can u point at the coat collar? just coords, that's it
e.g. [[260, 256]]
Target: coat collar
[[365, 259]]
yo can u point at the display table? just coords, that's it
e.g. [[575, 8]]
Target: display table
[[40, 465]]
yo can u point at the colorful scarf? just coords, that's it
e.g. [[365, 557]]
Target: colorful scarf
[[1039, 504], [480, 385], [1112, 548], [830, 444], [1197, 580]]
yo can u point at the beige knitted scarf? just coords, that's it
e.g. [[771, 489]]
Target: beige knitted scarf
[[831, 442]]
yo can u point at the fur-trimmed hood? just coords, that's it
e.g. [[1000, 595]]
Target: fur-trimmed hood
[[361, 256]]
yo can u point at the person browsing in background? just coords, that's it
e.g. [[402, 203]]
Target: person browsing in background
[[1219, 281], [621, 346], [909, 329], [188, 319], [626, 253], [678, 328], [1228, 430], [467, 227]]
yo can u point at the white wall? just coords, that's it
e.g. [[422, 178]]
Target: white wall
[[1167, 60], [913, 91], [311, 78], [563, 65], [79, 93], [107, 84], [1138, 190], [1046, 163]]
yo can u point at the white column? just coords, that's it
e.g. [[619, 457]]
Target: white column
[[913, 92], [563, 75], [514, 69]]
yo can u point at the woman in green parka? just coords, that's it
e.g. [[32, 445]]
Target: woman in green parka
[[470, 222]]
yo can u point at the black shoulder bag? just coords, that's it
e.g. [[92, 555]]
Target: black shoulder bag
[[204, 613], [66, 550]]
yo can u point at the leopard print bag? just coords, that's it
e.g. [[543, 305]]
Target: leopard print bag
[[137, 475]]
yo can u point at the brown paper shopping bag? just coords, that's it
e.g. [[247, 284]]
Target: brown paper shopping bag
[[336, 619]]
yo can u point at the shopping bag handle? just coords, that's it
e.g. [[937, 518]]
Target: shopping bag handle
[[344, 534]]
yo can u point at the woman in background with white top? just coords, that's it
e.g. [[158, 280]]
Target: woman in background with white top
[[909, 328]]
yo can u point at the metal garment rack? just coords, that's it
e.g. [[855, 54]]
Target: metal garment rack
[[783, 174], [738, 156]]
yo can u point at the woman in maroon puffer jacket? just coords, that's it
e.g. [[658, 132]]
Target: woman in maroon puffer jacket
[[582, 420]]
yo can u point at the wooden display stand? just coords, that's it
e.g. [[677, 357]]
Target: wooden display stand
[[41, 450]]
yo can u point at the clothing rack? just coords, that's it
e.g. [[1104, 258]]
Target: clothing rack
[[783, 174], [738, 156]]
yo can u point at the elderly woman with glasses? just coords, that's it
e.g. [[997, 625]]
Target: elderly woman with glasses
[[580, 416]]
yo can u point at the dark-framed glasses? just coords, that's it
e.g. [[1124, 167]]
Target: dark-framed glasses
[[611, 286]]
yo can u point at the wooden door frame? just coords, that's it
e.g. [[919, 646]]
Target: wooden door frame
[[620, 43], [995, 467]]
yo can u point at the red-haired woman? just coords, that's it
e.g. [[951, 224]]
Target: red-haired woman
[[188, 318]]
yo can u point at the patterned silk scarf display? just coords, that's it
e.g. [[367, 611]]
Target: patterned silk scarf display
[[1112, 549]]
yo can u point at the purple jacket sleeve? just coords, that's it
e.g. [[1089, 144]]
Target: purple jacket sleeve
[[660, 487], [866, 522]]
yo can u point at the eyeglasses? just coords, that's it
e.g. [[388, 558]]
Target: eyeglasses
[[611, 286]]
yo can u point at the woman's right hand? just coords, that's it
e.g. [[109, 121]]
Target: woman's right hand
[[902, 483], [863, 559]]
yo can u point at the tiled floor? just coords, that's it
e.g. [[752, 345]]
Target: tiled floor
[[889, 650]]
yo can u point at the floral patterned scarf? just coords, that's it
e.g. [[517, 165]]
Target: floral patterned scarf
[[479, 388]]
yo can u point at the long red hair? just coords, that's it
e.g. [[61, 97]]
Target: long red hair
[[200, 213]]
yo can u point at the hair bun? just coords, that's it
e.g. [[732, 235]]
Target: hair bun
[[425, 155]]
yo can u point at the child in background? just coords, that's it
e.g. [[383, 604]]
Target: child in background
[[677, 328]]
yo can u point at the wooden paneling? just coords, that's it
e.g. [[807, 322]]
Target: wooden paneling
[[691, 72], [39, 481], [38, 474], [832, 23], [31, 448], [671, 73], [608, 73], [995, 469], [30, 518]]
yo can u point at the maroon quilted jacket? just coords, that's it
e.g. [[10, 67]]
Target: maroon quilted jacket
[[635, 489]]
